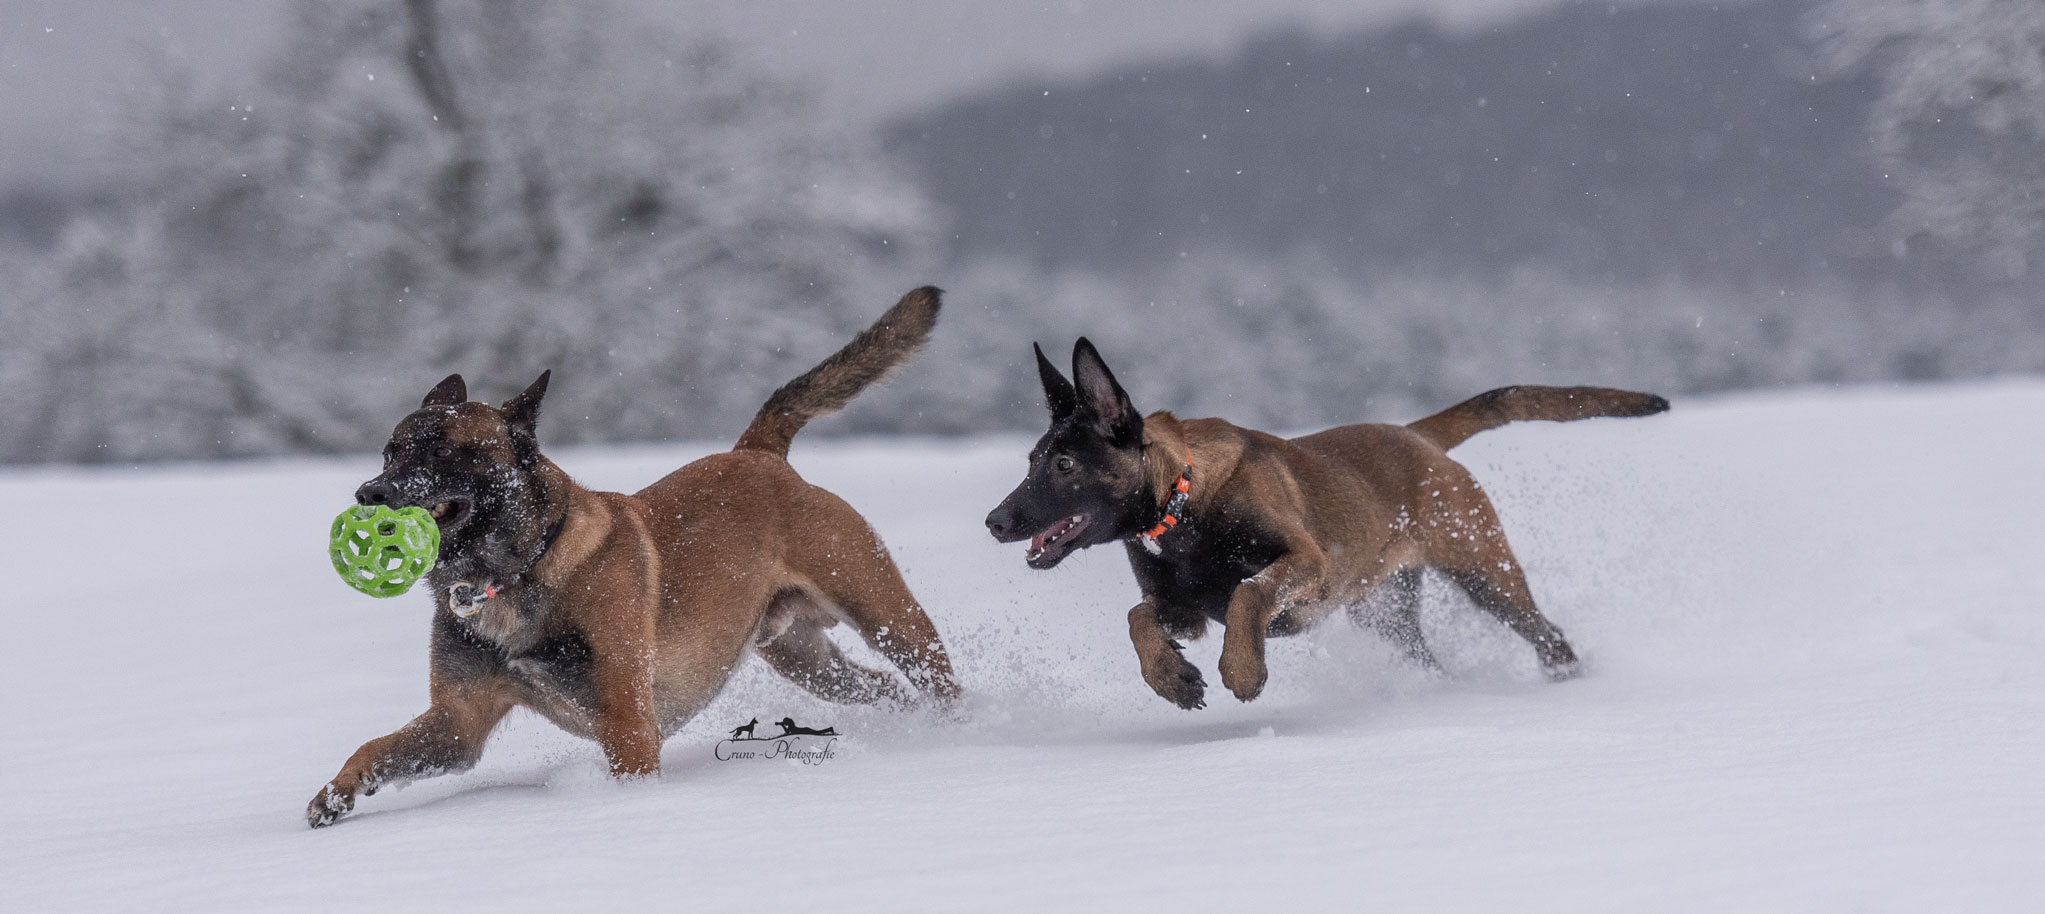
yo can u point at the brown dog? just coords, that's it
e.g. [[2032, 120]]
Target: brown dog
[[618, 617], [1267, 535]]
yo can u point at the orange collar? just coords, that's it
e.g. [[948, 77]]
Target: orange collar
[[1175, 508]]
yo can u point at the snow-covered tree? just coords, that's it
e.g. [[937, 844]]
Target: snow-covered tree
[[1960, 125], [419, 186]]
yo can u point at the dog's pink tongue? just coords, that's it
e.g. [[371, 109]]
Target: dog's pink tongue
[[1049, 533]]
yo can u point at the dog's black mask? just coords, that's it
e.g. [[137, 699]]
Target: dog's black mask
[[1086, 481], [472, 466]]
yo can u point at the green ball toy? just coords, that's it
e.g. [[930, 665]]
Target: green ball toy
[[383, 552]]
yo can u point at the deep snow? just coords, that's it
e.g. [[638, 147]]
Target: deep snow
[[1812, 622]]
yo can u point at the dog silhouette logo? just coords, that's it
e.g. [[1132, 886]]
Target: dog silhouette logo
[[790, 728], [795, 742]]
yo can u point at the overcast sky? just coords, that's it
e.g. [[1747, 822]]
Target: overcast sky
[[67, 67]]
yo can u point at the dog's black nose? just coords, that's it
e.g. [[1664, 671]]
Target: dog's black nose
[[375, 492], [998, 523]]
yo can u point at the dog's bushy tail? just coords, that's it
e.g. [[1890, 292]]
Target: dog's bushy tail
[[1492, 409], [871, 356]]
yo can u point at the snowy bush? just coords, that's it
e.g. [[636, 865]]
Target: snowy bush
[[1960, 125], [426, 186]]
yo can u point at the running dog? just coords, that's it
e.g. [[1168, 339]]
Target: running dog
[[1268, 535], [618, 617]]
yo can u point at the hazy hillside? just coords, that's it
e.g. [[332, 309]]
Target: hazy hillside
[[1662, 197], [1628, 142]]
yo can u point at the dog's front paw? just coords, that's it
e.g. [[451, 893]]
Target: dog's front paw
[[1244, 674], [330, 805], [1176, 680]]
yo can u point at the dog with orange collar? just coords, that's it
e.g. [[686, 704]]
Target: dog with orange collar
[[1268, 535]]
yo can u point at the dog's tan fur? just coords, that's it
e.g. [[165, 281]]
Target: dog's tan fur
[[1277, 533], [1351, 507], [668, 588]]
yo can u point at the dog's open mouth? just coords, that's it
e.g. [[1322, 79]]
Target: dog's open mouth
[[1051, 544], [450, 513]]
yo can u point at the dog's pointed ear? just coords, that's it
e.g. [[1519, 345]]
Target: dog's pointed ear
[[1101, 398], [450, 391], [1058, 392], [522, 413]]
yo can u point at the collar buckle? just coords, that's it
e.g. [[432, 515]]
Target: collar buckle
[[465, 599]]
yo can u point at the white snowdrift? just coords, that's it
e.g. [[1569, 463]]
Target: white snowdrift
[[1817, 672]]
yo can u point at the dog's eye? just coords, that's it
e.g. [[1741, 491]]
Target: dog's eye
[[443, 451], [1063, 463]]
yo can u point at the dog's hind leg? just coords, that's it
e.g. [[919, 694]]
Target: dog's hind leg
[[1393, 611], [869, 593], [802, 652], [1501, 590], [1467, 543]]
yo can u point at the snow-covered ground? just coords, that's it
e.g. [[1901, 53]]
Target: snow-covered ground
[[1812, 622]]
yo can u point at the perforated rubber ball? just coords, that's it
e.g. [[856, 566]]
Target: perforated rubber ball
[[383, 552]]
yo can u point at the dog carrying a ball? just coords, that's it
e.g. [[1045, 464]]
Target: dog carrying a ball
[[618, 616]]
